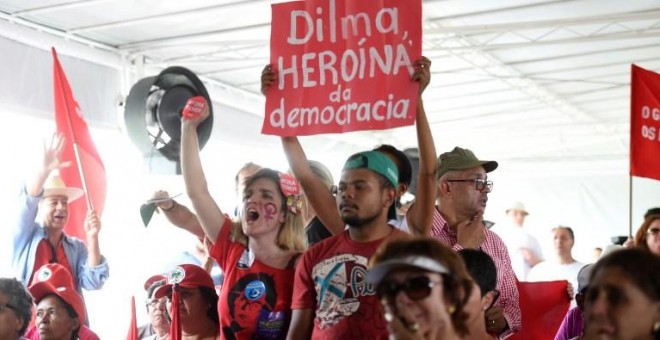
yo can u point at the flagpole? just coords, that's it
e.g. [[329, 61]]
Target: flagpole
[[630, 194], [76, 152], [73, 134]]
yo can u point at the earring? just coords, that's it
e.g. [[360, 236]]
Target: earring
[[656, 326], [451, 309]]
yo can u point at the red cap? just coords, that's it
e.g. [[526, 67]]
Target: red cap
[[53, 278], [150, 281], [187, 276]]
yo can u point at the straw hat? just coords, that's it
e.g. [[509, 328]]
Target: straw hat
[[55, 186], [517, 206]]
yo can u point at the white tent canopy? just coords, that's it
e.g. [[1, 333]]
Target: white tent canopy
[[541, 86]]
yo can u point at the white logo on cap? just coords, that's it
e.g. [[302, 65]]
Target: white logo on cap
[[176, 275], [44, 274]]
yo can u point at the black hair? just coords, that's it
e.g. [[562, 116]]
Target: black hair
[[652, 211], [19, 298], [209, 295], [402, 162], [568, 229], [481, 267]]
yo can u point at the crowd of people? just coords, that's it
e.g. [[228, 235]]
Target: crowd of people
[[305, 258]]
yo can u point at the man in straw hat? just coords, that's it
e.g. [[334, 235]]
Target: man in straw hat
[[36, 244], [463, 189], [524, 248]]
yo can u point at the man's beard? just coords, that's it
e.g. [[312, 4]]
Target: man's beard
[[357, 222]]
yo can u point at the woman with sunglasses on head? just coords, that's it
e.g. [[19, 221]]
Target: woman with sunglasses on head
[[648, 235], [256, 254], [484, 295], [424, 287], [623, 297]]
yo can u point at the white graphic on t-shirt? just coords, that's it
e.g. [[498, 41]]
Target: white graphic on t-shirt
[[339, 282]]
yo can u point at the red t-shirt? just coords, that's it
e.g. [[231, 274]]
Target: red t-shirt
[[255, 300], [44, 255], [331, 279]]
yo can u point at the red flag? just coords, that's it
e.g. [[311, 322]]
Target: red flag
[[175, 324], [543, 306], [132, 328], [71, 124], [644, 123]]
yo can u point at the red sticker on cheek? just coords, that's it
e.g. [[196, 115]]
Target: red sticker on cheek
[[270, 210]]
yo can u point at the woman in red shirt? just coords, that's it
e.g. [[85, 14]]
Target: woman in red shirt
[[257, 254]]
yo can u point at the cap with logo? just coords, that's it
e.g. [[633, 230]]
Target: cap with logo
[[461, 159], [187, 276], [53, 278]]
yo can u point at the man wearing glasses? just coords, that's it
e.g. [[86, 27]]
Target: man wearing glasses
[[463, 188]]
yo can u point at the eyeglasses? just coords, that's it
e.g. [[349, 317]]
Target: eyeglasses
[[153, 303], [416, 288], [479, 183], [653, 231], [4, 306]]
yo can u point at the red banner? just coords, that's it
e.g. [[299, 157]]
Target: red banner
[[70, 122], [543, 306], [644, 123], [342, 66]]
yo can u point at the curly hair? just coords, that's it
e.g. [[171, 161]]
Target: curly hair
[[457, 285], [19, 298]]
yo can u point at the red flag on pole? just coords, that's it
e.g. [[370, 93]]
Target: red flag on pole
[[644, 123], [132, 328], [89, 172]]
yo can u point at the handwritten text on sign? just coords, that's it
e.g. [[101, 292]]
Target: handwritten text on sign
[[342, 65]]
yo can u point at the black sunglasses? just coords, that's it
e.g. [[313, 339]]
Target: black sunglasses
[[416, 288]]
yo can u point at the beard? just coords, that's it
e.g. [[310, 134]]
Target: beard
[[357, 222]]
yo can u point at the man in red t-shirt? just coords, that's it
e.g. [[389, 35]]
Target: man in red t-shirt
[[331, 298]]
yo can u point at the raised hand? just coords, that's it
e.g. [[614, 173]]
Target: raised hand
[[92, 225], [163, 205], [268, 77], [422, 73], [52, 153], [195, 111]]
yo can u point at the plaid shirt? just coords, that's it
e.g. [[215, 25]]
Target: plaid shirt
[[506, 278]]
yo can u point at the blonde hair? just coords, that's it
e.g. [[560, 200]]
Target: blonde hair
[[291, 236]]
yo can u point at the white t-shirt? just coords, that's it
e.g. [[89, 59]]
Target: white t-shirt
[[516, 238], [553, 271]]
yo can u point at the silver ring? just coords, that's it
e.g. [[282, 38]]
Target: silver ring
[[413, 326]]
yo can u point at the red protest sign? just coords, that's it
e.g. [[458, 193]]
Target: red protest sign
[[342, 66], [644, 123], [289, 185]]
